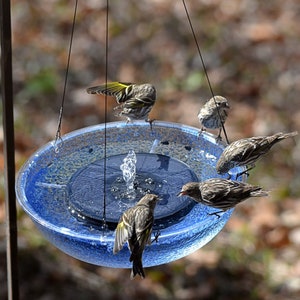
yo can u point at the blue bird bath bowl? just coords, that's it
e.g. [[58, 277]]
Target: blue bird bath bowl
[[61, 187]]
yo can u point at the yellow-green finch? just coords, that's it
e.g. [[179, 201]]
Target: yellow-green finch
[[136, 100], [135, 227]]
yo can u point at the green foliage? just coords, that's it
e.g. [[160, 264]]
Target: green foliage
[[193, 81], [44, 82]]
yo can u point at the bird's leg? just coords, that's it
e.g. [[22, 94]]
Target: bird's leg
[[150, 121], [246, 172], [229, 176], [201, 130], [219, 138], [156, 236]]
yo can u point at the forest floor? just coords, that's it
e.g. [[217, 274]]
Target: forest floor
[[251, 52]]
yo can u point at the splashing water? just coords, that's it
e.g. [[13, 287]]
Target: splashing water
[[128, 169]]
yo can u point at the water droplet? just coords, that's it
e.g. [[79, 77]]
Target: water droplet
[[114, 189], [119, 179], [149, 181]]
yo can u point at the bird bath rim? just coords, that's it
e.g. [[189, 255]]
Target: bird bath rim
[[189, 136]]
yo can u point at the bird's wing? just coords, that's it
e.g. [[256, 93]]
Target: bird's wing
[[245, 151], [115, 89], [262, 144], [211, 193], [225, 194], [146, 223], [123, 233]]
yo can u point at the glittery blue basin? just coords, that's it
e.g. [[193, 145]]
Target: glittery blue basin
[[62, 189]]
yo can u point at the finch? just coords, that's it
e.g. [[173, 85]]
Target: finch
[[136, 100], [221, 193], [135, 227], [247, 151], [214, 113]]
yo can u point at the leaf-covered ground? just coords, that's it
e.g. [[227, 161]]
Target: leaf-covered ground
[[251, 52]]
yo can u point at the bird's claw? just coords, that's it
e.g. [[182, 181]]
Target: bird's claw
[[216, 213], [150, 121], [201, 130], [218, 138], [241, 174], [246, 172], [156, 236]]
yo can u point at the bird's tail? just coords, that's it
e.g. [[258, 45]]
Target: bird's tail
[[137, 266], [258, 192], [282, 136]]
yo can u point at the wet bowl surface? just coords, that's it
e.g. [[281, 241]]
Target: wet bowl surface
[[61, 188]]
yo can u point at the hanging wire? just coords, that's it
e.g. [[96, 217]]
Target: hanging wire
[[58, 131], [105, 116], [204, 68]]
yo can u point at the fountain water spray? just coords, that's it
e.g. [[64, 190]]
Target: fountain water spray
[[128, 169]]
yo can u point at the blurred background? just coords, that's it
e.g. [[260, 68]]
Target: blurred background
[[251, 50]]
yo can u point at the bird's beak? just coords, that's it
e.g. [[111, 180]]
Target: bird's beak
[[181, 193]]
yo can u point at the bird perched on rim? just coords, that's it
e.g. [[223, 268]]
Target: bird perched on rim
[[214, 114], [136, 100], [221, 193], [247, 151], [135, 227]]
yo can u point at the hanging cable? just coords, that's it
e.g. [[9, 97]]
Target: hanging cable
[[204, 68], [58, 131], [105, 115]]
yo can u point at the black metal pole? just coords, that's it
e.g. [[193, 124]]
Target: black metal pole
[[9, 151]]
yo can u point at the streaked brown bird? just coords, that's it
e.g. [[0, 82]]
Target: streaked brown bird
[[245, 152], [136, 100], [214, 113], [221, 193], [135, 227]]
